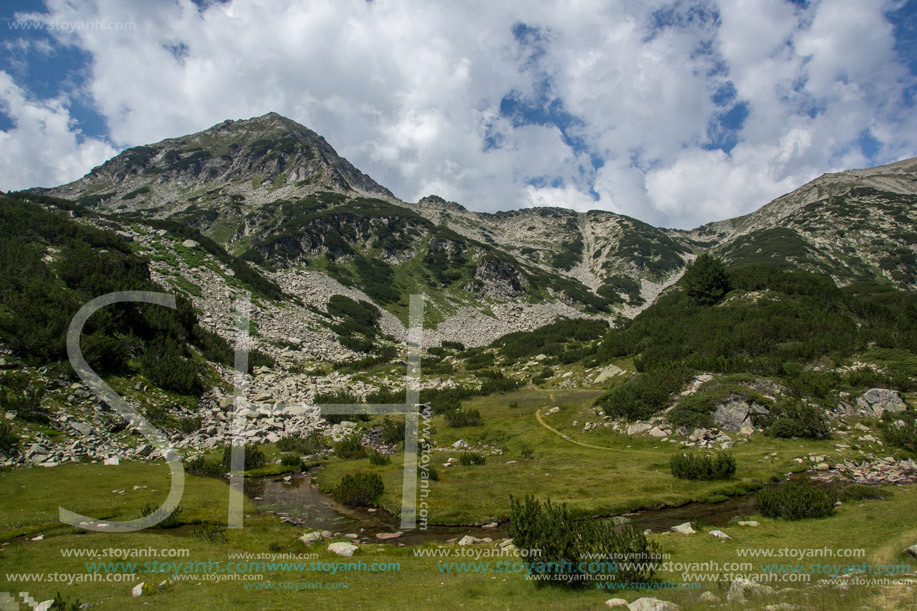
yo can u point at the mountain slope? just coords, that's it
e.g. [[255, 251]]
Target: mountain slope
[[274, 193]]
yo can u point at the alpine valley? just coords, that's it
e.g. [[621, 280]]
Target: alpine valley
[[587, 358]]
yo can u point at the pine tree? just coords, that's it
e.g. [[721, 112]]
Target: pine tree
[[706, 280]]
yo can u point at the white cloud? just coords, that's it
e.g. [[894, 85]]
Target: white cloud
[[411, 91], [43, 148]]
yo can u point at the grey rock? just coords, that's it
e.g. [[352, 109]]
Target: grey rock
[[876, 401], [735, 416], [81, 428], [652, 604], [312, 537], [710, 598], [343, 549], [145, 450], [742, 589], [683, 529]]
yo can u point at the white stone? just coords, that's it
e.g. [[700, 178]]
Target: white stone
[[312, 537], [684, 529], [137, 590], [342, 548], [652, 604], [720, 534]]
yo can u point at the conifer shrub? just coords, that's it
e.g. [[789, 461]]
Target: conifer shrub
[[254, 458], [573, 553], [359, 489], [173, 519], [291, 460], [379, 459], [9, 440], [463, 417], [721, 465], [350, 447], [900, 430], [309, 444], [392, 431], [794, 419], [795, 501], [201, 468], [472, 458]]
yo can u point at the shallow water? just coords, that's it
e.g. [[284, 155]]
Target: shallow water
[[301, 501]]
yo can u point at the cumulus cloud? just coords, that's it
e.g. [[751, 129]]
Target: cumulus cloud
[[674, 113], [43, 147]]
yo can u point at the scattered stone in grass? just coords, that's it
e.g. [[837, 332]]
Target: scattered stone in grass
[[652, 604], [342, 549]]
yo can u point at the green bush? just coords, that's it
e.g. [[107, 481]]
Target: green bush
[[301, 445], [254, 458], [463, 417], [18, 395], [716, 498], [900, 430], [527, 450], [795, 501], [794, 419], [559, 545], [163, 364], [472, 458], [359, 489], [213, 533], [200, 467], [721, 465], [642, 395], [190, 424], [291, 460], [173, 520], [350, 447], [9, 440], [392, 431], [379, 459]]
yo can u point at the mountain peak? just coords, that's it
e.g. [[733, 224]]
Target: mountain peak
[[249, 162]]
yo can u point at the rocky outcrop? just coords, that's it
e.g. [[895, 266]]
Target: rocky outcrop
[[736, 416], [876, 401]]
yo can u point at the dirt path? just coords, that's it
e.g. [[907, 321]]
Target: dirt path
[[580, 443]]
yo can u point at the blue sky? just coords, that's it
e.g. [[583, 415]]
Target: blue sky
[[674, 112]]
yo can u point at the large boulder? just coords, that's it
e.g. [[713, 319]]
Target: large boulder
[[652, 604], [606, 374], [876, 401], [735, 416]]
